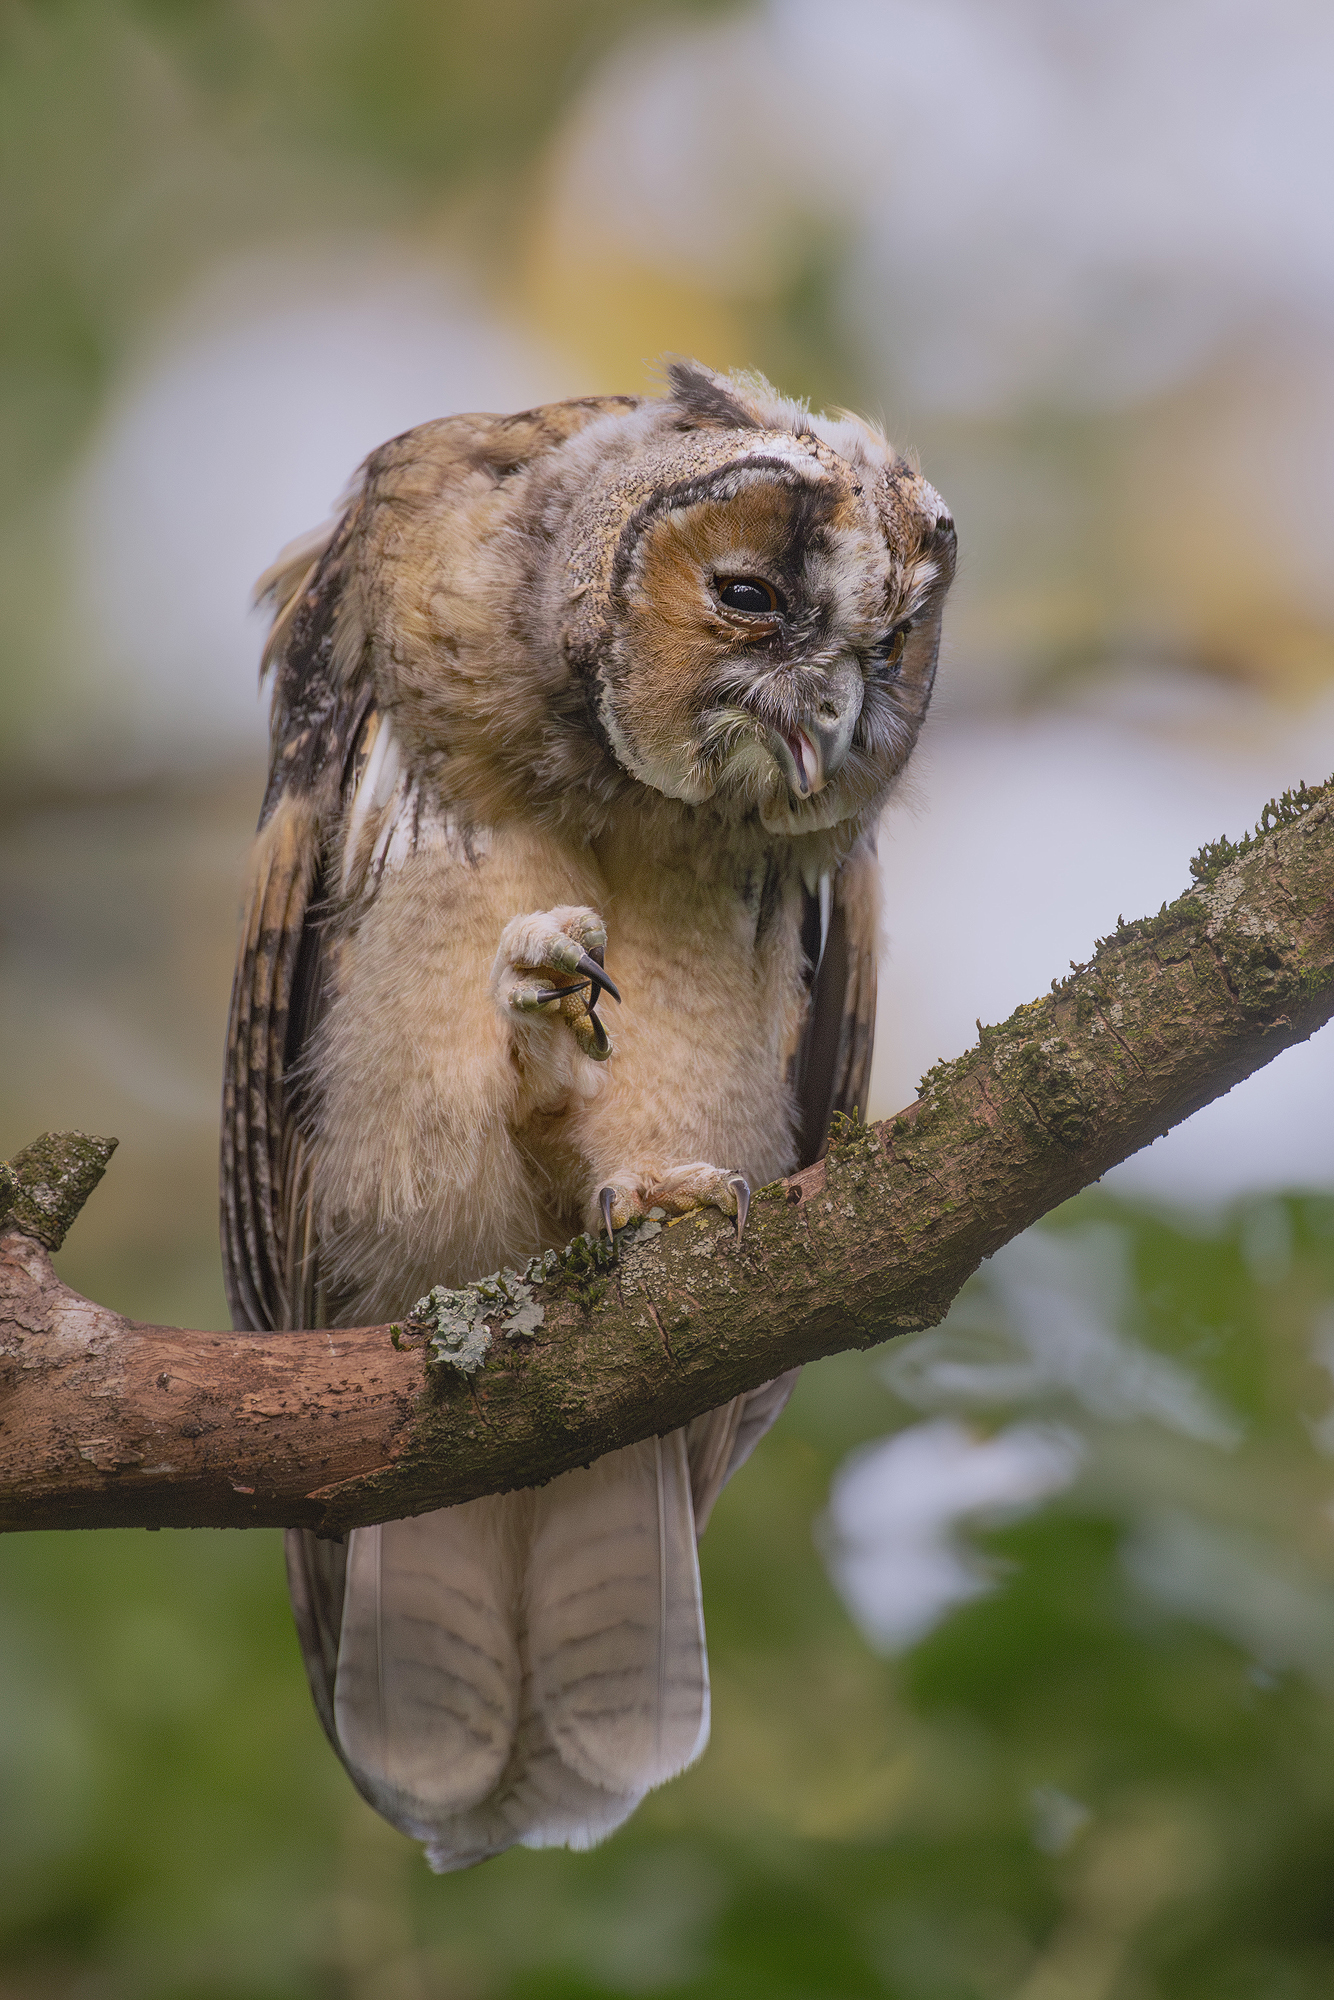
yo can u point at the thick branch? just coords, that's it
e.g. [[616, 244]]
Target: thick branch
[[106, 1422]]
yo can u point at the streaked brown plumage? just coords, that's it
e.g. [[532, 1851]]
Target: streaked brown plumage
[[626, 673]]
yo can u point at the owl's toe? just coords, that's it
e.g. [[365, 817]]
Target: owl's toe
[[680, 1191], [620, 1203]]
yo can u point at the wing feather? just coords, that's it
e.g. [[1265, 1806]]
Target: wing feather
[[255, 1111], [317, 717], [832, 1068], [831, 1073], [269, 1261]]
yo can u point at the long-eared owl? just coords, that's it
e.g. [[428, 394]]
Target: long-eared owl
[[597, 703]]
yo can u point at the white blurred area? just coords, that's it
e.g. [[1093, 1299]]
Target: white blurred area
[[891, 1538], [1050, 201], [1023, 839], [1108, 1421]]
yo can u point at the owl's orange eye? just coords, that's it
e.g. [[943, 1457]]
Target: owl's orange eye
[[748, 593]]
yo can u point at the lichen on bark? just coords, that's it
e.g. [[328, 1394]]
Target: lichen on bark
[[43, 1188]]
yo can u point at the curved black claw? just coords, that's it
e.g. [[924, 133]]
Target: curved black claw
[[740, 1187], [590, 969], [606, 1196]]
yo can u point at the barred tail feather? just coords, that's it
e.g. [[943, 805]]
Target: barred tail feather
[[521, 1670], [426, 1700], [615, 1623]]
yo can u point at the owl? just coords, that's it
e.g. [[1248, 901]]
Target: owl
[[585, 712]]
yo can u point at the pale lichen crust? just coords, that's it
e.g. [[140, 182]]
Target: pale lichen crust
[[464, 1323]]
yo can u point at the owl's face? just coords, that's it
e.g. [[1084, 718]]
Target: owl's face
[[772, 625]]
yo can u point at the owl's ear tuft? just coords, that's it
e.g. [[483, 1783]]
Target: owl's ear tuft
[[705, 398]]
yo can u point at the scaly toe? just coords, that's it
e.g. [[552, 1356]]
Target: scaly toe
[[702, 1185], [618, 1203], [533, 996]]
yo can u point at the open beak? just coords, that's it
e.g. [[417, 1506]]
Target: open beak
[[809, 752]]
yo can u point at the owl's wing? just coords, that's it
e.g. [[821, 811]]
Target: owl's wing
[[320, 719], [832, 1067], [324, 726], [831, 1072], [338, 795]]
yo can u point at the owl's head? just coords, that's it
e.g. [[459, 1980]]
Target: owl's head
[[756, 596]]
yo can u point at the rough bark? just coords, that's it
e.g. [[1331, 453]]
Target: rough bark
[[106, 1422]]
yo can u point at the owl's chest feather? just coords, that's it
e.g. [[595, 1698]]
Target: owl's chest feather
[[424, 1121]]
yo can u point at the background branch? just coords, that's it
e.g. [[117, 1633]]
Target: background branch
[[106, 1422]]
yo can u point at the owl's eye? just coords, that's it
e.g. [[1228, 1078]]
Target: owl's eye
[[890, 651], [748, 593]]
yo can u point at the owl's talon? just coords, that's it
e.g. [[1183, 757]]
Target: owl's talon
[[593, 971], [740, 1187], [550, 964], [555, 993], [618, 1203]]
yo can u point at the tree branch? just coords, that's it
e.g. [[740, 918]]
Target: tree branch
[[106, 1422]]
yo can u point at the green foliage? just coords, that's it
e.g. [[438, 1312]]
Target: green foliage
[[1108, 1767]]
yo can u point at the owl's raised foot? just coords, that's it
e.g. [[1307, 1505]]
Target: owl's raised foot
[[677, 1192], [550, 962]]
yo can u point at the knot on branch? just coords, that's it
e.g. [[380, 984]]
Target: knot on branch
[[43, 1188]]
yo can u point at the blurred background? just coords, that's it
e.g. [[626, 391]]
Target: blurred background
[[1023, 1630]]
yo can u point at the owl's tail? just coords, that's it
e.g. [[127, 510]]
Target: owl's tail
[[522, 1669]]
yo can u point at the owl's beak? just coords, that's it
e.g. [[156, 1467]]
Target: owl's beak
[[811, 751]]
